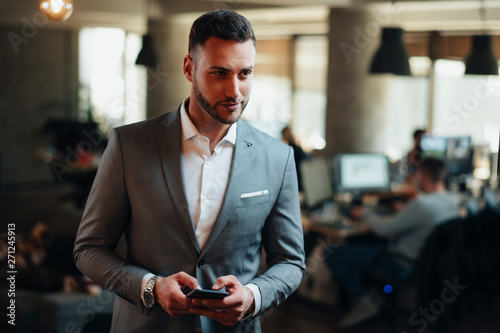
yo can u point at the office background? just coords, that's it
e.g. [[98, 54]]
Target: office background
[[65, 84]]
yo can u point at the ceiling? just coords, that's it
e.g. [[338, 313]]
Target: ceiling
[[127, 14], [453, 17], [276, 17]]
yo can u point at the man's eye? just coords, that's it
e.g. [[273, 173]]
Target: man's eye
[[219, 73], [246, 73]]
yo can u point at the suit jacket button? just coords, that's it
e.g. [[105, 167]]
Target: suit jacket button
[[201, 263]]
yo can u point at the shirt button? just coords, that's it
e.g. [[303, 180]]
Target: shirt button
[[203, 198], [199, 234], [207, 163]]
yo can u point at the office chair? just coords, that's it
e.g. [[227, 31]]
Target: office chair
[[393, 307], [419, 280]]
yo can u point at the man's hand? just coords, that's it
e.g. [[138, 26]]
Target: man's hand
[[229, 310], [169, 295]]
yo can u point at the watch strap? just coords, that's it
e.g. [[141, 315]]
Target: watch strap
[[149, 292]]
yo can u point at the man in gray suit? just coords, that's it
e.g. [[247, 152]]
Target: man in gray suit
[[198, 193]]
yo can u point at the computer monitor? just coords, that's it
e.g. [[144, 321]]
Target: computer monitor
[[361, 172], [433, 146], [456, 152], [459, 155], [316, 182]]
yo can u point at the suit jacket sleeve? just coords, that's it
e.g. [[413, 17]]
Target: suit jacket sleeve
[[104, 220], [283, 241]]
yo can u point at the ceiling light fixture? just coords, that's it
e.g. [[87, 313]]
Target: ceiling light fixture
[[57, 10], [391, 57], [147, 55], [482, 59]]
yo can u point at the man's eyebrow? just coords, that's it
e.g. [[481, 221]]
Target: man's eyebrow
[[220, 68], [225, 69]]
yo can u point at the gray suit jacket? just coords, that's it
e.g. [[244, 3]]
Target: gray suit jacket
[[139, 190]]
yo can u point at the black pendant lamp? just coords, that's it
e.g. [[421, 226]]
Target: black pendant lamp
[[482, 60], [147, 55], [391, 57]]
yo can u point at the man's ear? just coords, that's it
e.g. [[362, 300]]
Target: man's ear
[[188, 68]]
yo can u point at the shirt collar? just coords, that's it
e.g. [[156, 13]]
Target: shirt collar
[[189, 130]]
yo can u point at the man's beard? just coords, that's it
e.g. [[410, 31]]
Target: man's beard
[[205, 105]]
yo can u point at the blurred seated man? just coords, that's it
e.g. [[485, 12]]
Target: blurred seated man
[[409, 230]]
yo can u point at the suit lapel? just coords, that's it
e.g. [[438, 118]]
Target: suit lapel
[[244, 153], [169, 143]]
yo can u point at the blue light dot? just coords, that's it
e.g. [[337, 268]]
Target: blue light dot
[[388, 289]]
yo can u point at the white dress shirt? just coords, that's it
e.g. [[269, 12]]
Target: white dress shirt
[[206, 176]]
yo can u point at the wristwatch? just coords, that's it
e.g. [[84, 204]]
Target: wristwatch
[[149, 296]]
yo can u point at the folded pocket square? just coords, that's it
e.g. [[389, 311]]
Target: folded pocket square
[[254, 194]]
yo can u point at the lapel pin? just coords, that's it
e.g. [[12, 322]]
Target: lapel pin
[[249, 144]]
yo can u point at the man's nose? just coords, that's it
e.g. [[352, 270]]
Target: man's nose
[[233, 88]]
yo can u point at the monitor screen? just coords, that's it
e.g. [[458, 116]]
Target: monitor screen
[[458, 148], [459, 155], [362, 172], [433, 146], [456, 152], [316, 181]]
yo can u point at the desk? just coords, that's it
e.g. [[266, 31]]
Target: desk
[[338, 211], [318, 285], [336, 232], [339, 233], [344, 227]]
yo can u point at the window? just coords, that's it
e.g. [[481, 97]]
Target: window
[[270, 104], [466, 105], [407, 104], [290, 88], [309, 100], [112, 87]]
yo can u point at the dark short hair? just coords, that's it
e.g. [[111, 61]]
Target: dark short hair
[[224, 24], [418, 133], [434, 168]]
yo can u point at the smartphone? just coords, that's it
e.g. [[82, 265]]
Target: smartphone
[[204, 293]]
